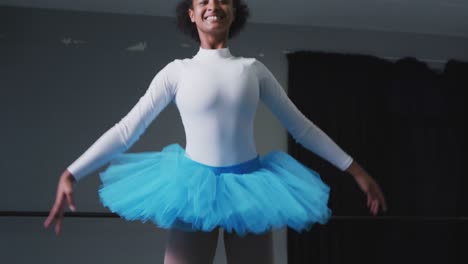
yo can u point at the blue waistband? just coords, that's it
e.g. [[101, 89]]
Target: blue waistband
[[243, 167]]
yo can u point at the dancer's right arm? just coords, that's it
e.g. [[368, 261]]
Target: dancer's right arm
[[64, 191], [128, 130], [116, 140]]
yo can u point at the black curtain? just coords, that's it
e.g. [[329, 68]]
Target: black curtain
[[405, 123]]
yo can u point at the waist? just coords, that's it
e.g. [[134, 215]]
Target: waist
[[221, 154], [243, 167]]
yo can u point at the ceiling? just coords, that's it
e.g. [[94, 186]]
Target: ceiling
[[447, 17]]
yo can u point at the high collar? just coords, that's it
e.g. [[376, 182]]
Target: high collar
[[222, 53]]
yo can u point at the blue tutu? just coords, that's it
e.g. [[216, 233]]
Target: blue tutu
[[174, 191]]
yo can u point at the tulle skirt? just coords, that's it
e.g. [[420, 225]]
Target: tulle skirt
[[174, 191]]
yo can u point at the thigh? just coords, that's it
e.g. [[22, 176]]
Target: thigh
[[186, 247], [248, 249]]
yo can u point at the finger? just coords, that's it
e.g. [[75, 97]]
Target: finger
[[59, 196], [48, 220], [372, 209], [376, 207], [382, 201], [71, 204], [51, 217], [54, 211], [370, 197], [58, 225], [59, 201]]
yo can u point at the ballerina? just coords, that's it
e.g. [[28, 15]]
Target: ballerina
[[218, 181]]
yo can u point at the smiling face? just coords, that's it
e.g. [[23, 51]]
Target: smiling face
[[213, 18]]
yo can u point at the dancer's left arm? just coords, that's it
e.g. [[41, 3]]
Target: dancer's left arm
[[375, 197], [313, 138]]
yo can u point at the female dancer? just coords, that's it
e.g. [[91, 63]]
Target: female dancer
[[218, 180]]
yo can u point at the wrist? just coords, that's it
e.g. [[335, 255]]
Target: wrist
[[67, 175], [356, 170]]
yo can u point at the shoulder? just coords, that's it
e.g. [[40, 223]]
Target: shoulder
[[168, 76], [173, 70], [258, 67], [253, 64], [245, 60], [179, 64], [176, 64]]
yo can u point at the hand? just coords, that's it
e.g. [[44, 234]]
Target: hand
[[375, 197], [64, 191]]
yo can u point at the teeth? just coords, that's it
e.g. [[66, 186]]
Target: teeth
[[212, 18]]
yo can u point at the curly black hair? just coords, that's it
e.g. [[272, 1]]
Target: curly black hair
[[186, 26]]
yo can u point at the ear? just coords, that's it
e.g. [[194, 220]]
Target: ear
[[191, 14]]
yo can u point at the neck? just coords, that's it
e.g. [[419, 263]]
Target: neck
[[213, 54], [213, 42]]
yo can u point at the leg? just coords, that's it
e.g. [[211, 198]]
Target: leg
[[190, 247], [250, 249]]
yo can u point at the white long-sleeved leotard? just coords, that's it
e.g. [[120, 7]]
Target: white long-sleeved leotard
[[217, 96]]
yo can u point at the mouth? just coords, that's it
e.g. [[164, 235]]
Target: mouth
[[214, 17]]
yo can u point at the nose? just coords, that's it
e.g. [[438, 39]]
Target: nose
[[213, 5]]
